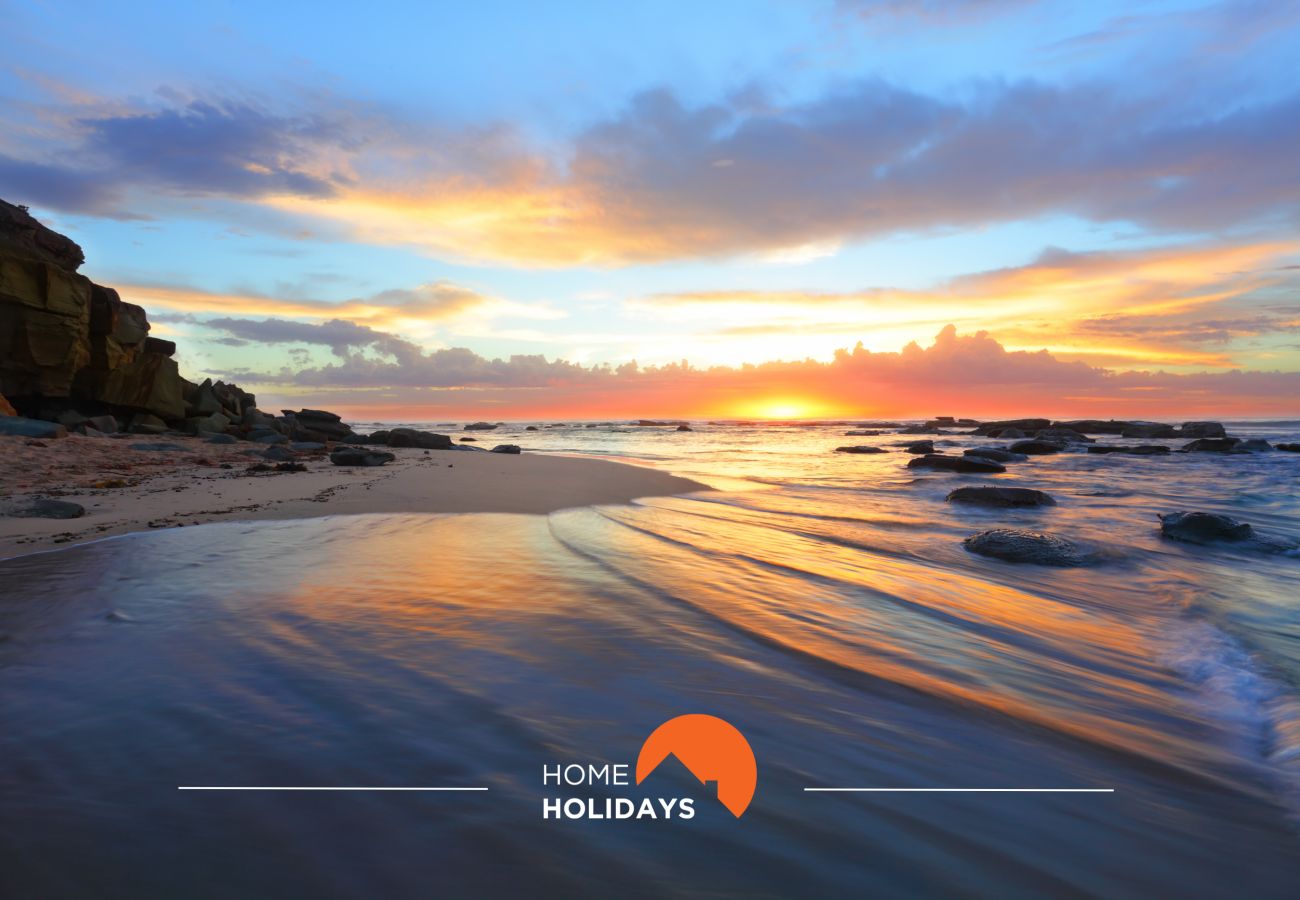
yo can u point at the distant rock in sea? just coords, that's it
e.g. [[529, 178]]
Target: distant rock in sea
[[861, 448], [996, 495]]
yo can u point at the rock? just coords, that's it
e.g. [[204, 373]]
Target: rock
[[1210, 445], [863, 433], [425, 440], [507, 448], [6, 408], [307, 446], [317, 425], [1010, 434], [1142, 450], [222, 439], [922, 429], [1203, 528], [993, 429], [1149, 430], [1202, 430], [43, 509], [103, 424], [1037, 448], [278, 453], [1288, 448], [468, 439], [956, 463], [216, 423], [684, 427], [355, 456], [997, 454], [993, 495], [480, 426], [1062, 434], [920, 447], [32, 428], [1094, 426], [144, 423], [531, 428], [160, 448], [1017, 545], [860, 449], [21, 233], [267, 437], [1254, 445]]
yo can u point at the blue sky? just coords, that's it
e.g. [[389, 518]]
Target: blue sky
[[727, 182]]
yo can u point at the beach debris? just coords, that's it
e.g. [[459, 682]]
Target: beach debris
[[507, 448], [956, 463], [997, 495], [860, 448], [356, 456], [1021, 546], [43, 509]]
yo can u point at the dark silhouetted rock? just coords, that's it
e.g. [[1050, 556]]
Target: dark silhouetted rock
[[1020, 546], [355, 456], [531, 428], [468, 439], [1210, 445], [864, 433], [920, 447], [42, 509], [32, 428], [145, 423], [222, 439], [1203, 528], [307, 446], [1142, 450], [1202, 430], [424, 440], [480, 426], [995, 429], [1254, 445], [1037, 448], [1149, 430], [956, 464], [1062, 434], [317, 425], [21, 233], [278, 453], [997, 454], [994, 495], [860, 449], [1288, 448], [684, 427], [507, 448]]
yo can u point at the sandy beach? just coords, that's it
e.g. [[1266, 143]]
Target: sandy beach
[[125, 490]]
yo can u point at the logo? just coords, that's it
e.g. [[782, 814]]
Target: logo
[[710, 748]]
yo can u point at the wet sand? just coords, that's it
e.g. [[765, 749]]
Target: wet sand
[[125, 490]]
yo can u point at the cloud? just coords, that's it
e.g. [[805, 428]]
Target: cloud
[[664, 179], [972, 372], [339, 335], [929, 12]]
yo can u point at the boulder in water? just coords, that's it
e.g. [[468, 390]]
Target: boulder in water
[[1254, 445], [1142, 450], [956, 464], [861, 448], [997, 454], [1202, 430], [1020, 546], [43, 509], [920, 447], [1203, 527], [507, 448], [1036, 447], [1287, 448], [996, 495], [480, 426], [1210, 445]]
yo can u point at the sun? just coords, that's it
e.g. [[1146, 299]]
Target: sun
[[782, 408]]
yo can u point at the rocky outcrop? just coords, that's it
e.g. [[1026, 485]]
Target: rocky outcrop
[[480, 426], [1037, 448], [66, 342], [411, 437], [920, 447], [997, 454], [861, 448], [1210, 445], [995, 429]]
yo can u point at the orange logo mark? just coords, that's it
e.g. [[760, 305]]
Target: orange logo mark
[[711, 749]]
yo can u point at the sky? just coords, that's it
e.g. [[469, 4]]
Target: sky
[[738, 208]]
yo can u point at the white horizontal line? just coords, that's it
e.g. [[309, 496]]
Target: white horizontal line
[[931, 790], [318, 788]]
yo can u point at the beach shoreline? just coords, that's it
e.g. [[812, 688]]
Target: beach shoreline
[[126, 490]]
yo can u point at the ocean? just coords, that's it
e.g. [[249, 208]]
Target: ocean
[[822, 603]]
